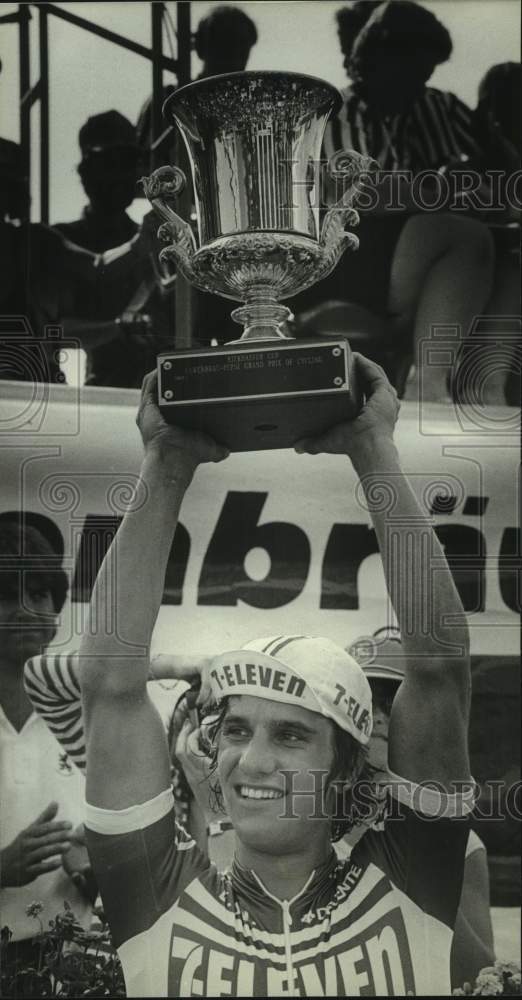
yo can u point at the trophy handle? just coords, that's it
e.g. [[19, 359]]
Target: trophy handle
[[162, 185], [351, 167]]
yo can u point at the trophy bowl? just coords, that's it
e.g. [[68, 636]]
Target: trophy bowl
[[253, 141]]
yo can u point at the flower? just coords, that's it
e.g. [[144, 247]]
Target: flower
[[34, 909], [489, 984], [500, 979], [508, 968]]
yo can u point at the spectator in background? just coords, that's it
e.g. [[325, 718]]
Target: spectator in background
[[42, 274], [223, 40], [16, 362], [128, 319], [414, 269], [42, 794], [390, 52], [497, 125], [109, 172], [497, 118], [493, 359]]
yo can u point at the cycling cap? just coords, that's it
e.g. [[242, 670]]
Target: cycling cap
[[310, 672]]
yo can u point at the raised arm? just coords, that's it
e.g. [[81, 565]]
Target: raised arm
[[127, 754], [429, 720]]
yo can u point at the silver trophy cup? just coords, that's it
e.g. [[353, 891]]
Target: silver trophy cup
[[254, 144]]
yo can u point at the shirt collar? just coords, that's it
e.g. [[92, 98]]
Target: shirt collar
[[8, 725], [318, 884]]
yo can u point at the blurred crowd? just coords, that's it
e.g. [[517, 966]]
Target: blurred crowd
[[440, 246]]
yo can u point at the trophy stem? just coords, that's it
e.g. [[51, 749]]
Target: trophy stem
[[262, 319]]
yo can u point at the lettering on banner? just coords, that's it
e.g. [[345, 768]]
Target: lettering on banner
[[465, 550], [97, 535], [224, 581], [347, 547]]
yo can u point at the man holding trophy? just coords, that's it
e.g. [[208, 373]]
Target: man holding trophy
[[254, 145], [289, 739]]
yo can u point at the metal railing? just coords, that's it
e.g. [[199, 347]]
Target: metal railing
[[29, 95]]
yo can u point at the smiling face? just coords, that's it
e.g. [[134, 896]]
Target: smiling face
[[259, 739]]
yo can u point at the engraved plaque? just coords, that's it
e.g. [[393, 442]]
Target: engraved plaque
[[267, 398]]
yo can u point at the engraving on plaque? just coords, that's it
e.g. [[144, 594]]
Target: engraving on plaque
[[227, 376]]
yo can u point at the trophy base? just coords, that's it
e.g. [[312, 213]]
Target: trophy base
[[255, 396]]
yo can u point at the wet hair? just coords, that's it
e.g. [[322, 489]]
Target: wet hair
[[25, 554], [224, 26], [401, 25], [349, 773]]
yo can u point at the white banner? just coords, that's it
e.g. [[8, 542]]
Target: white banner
[[268, 541]]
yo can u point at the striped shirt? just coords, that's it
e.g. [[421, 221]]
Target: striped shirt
[[53, 686], [377, 924], [436, 131]]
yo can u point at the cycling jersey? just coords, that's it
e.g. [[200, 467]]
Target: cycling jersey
[[377, 924]]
